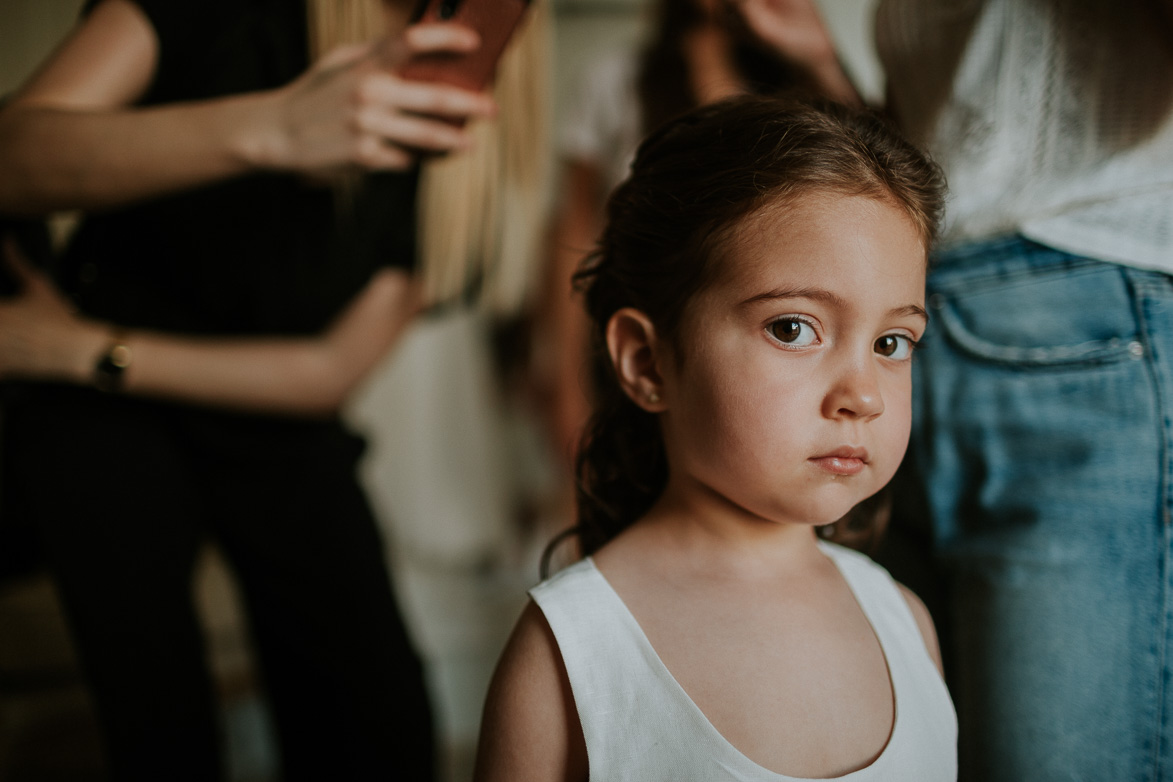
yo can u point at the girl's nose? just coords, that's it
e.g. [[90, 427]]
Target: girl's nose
[[855, 394]]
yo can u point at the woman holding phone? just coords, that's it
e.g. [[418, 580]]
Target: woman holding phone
[[247, 254]]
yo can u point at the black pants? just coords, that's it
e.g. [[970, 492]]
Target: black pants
[[123, 492]]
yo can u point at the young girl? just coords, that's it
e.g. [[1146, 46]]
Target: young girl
[[758, 293]]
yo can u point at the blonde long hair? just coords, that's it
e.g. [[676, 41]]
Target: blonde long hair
[[480, 213]]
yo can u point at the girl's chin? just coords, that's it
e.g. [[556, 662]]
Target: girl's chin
[[860, 518]]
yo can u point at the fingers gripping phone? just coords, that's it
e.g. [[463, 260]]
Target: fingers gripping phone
[[493, 20]]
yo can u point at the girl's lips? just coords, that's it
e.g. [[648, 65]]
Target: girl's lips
[[842, 461]]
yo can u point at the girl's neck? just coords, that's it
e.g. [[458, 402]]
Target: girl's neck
[[713, 534]]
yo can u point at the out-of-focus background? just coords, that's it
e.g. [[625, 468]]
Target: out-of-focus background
[[466, 488]]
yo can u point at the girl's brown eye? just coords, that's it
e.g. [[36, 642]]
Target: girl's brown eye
[[786, 330], [792, 331], [895, 346]]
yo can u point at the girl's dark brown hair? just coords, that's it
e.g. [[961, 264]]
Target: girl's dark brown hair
[[691, 183]]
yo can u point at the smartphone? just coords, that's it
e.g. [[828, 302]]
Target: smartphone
[[494, 21]]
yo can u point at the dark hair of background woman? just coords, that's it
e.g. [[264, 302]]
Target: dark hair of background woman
[[663, 82]]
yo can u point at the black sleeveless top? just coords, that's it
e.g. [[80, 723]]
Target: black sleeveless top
[[265, 253]]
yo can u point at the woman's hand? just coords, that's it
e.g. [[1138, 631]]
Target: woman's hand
[[41, 335], [792, 27], [351, 110], [795, 30], [72, 138], [43, 338]]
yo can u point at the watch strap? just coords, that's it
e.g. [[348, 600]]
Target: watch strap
[[111, 365]]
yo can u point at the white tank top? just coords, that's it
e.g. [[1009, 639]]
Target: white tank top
[[640, 725]]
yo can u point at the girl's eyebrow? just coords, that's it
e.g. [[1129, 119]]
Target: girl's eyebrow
[[815, 294], [910, 309], [830, 299]]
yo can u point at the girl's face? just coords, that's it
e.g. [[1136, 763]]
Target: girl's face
[[792, 400]]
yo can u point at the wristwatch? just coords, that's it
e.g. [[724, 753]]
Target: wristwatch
[[112, 364]]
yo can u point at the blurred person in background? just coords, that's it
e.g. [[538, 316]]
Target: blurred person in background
[[178, 371]]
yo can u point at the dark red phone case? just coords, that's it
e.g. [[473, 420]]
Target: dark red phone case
[[494, 21]]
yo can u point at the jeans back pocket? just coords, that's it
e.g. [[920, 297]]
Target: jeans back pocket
[[1072, 312]]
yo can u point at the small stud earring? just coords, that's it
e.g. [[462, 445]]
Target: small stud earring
[[654, 398]]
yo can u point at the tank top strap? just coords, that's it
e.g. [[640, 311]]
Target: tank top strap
[[881, 600]]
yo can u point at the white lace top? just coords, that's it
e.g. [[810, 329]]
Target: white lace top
[[1050, 117]]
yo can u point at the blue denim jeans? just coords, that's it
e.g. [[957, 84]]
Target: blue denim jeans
[[1043, 399]]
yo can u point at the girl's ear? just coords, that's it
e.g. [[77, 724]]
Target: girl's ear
[[632, 343]]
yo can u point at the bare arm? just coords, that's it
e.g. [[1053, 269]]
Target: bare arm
[[795, 29], [530, 730], [42, 338], [71, 139]]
